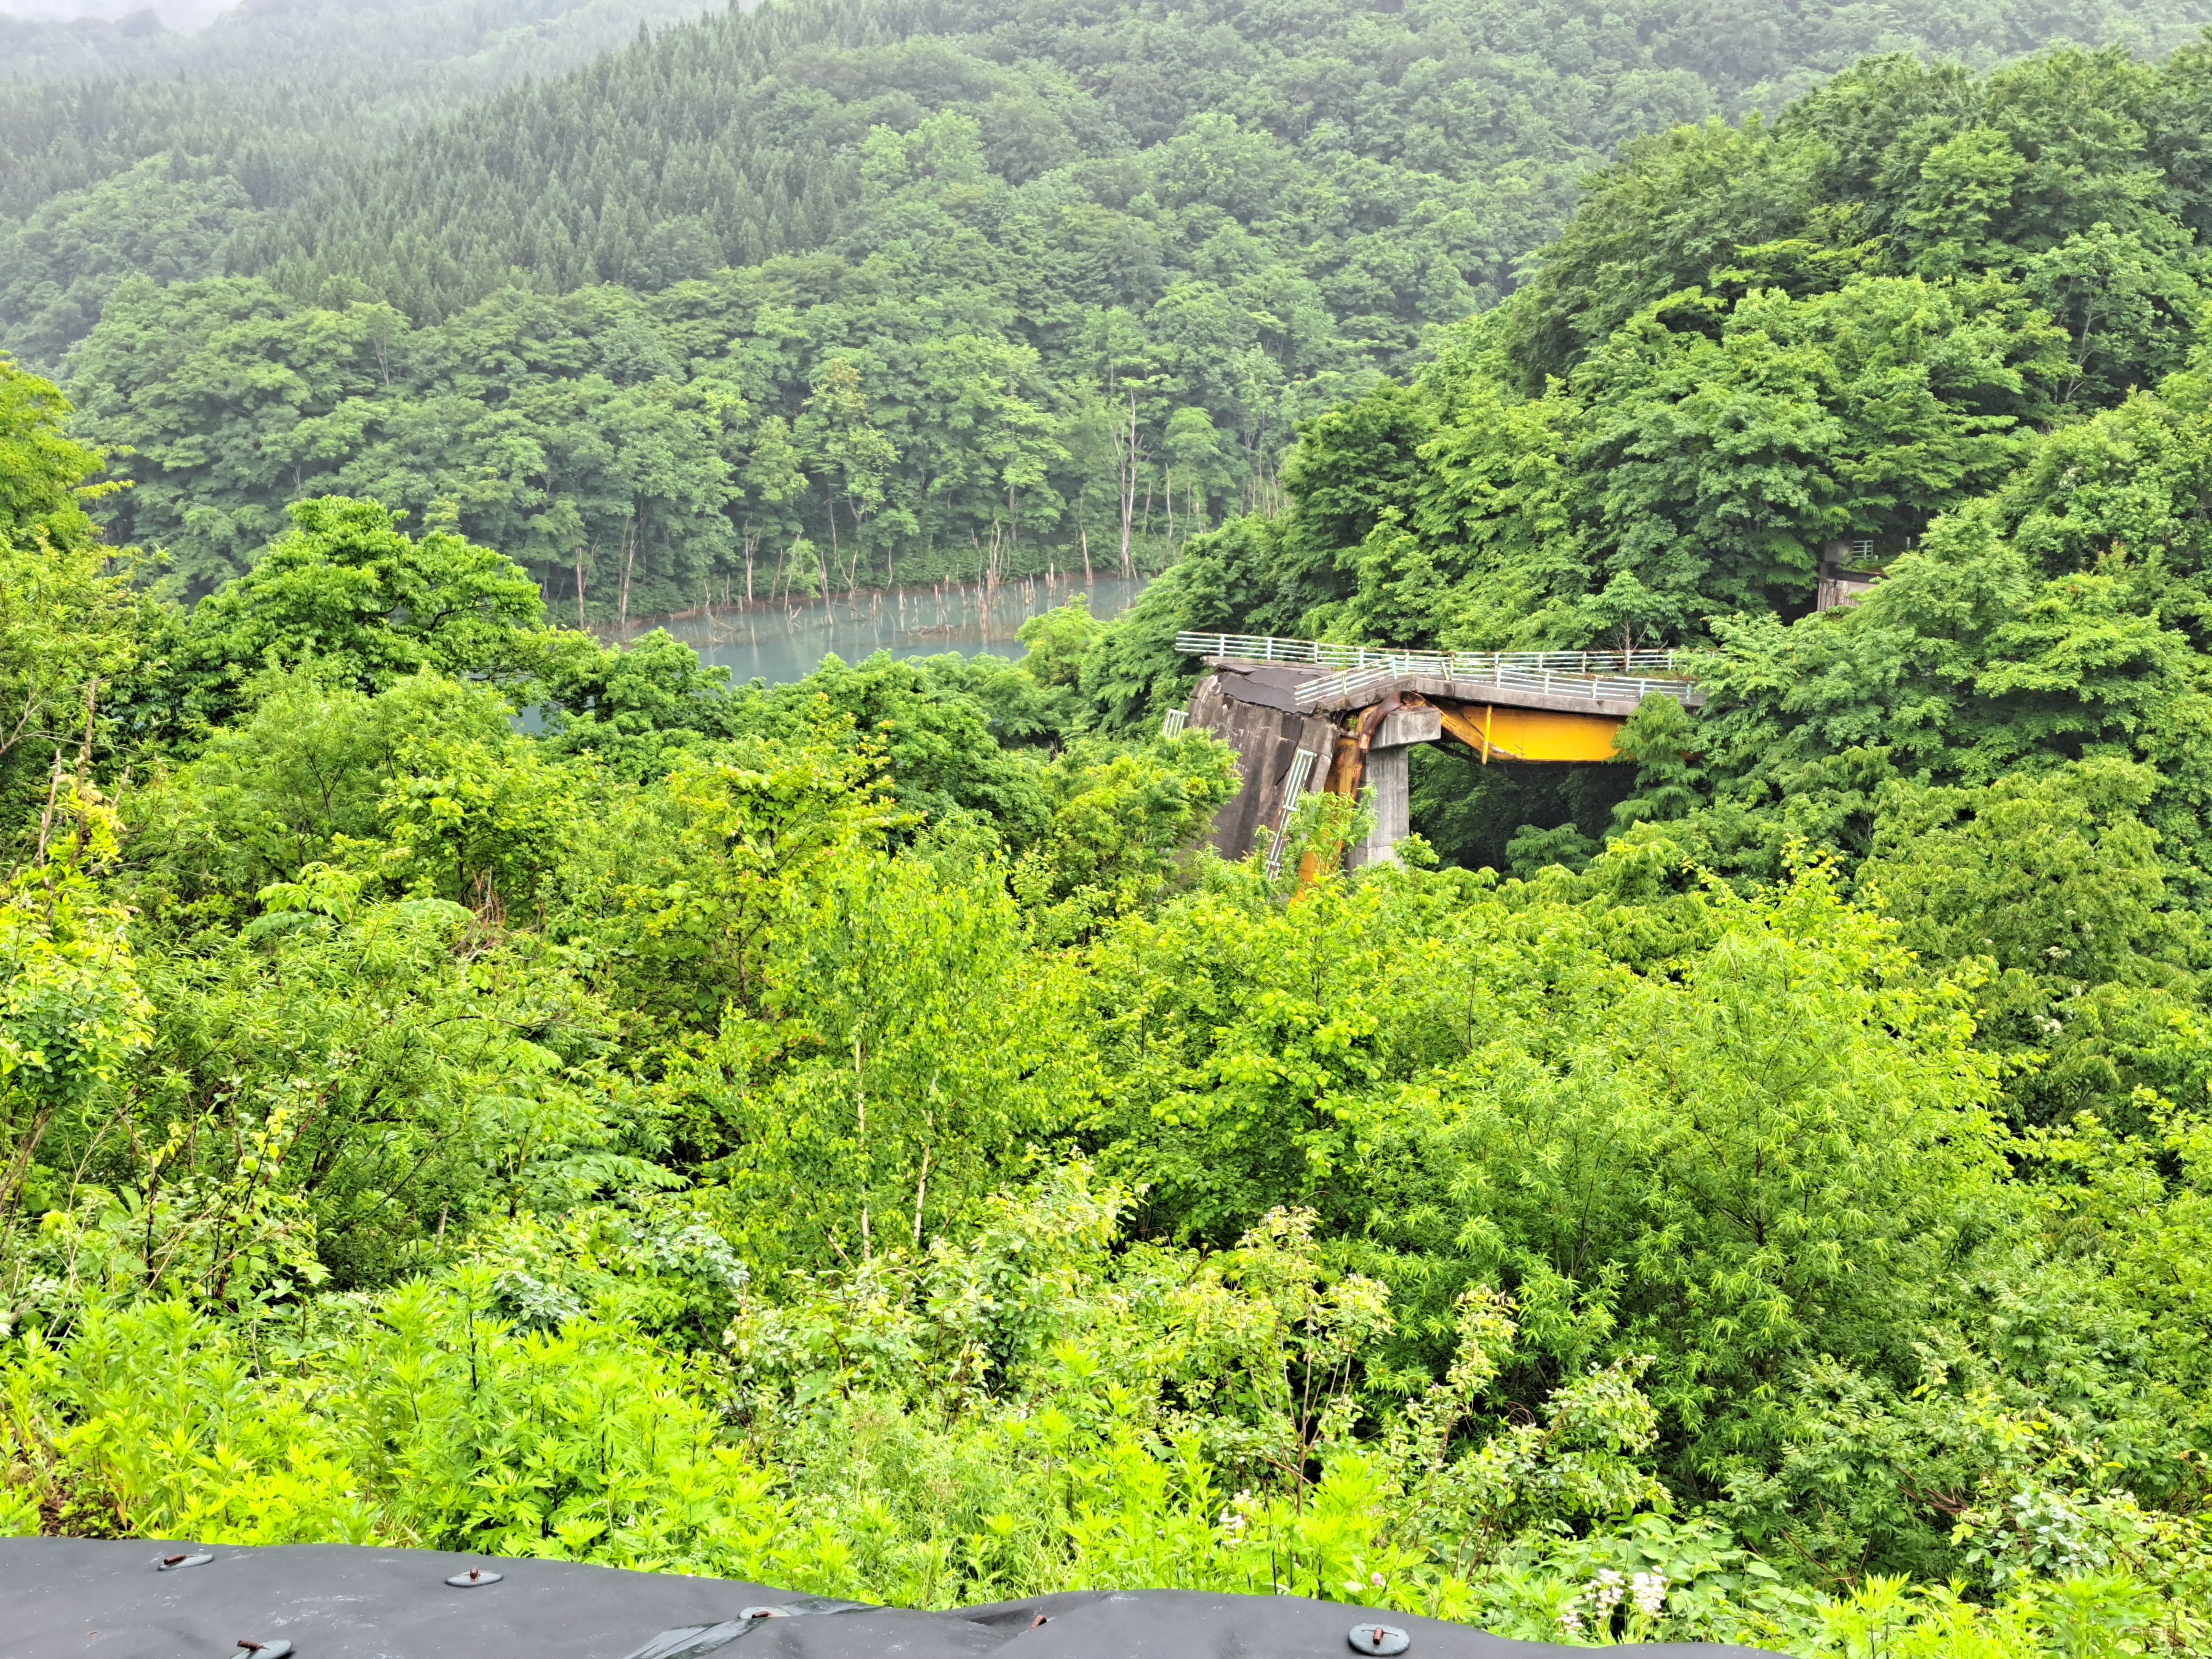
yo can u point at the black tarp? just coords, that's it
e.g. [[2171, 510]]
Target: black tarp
[[104, 1598]]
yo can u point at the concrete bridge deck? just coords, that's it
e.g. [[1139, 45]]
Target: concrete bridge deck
[[1336, 678], [1305, 716]]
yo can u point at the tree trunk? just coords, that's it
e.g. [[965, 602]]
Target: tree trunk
[[1128, 482], [920, 1191], [629, 563]]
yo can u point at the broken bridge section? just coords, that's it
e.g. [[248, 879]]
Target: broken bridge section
[[1304, 716]]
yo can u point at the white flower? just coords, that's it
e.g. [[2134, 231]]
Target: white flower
[[1378, 1581], [1603, 1592], [1571, 1622], [1649, 1590]]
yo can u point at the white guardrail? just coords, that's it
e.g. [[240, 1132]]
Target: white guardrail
[[1600, 676]]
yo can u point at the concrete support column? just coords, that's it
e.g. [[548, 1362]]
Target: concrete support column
[[1390, 776]]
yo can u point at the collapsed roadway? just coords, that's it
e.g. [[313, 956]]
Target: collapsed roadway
[[1305, 717]]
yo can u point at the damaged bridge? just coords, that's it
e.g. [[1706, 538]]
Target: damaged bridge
[[1305, 717]]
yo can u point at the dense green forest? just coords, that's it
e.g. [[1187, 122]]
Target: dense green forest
[[127, 149], [863, 292], [1952, 320], [467, 1084]]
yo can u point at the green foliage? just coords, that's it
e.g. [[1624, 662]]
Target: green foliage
[[294, 784], [399, 1073], [1937, 323], [166, 218], [635, 710], [132, 148], [432, 1422], [1055, 642], [346, 589], [912, 1037], [1751, 344], [1476, 1241], [1120, 821], [1709, 471], [467, 1084], [69, 632], [1027, 1410], [71, 1012], [40, 467]]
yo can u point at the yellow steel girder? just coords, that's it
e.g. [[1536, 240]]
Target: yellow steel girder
[[1529, 734]]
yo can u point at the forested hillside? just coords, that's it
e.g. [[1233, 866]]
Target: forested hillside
[[746, 137], [466, 1084], [1125, 248], [127, 148], [1955, 321]]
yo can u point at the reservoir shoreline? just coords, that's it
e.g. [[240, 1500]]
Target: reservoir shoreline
[[780, 642]]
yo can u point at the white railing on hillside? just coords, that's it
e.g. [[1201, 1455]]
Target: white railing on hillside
[[1351, 684], [1600, 676]]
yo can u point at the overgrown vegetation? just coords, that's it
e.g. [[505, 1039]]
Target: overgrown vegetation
[[465, 1085], [1608, 1254], [1948, 324]]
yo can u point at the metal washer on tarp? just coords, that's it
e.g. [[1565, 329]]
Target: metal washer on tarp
[[473, 1578], [1384, 1639], [175, 1563]]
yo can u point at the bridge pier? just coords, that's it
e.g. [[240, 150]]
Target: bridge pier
[[1389, 773]]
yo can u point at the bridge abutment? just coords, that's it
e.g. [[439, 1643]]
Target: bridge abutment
[[1268, 741]]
